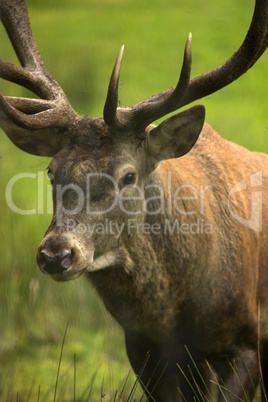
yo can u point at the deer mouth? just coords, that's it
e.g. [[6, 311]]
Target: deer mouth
[[101, 262], [68, 276]]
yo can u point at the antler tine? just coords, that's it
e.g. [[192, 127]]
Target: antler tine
[[240, 62], [142, 114], [15, 19], [35, 82], [46, 114], [152, 108], [54, 109], [16, 22], [29, 105], [110, 107], [168, 102]]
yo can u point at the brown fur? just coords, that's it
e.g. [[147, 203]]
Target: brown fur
[[171, 290]]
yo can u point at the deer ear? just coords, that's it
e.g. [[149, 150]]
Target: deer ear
[[41, 142], [177, 135]]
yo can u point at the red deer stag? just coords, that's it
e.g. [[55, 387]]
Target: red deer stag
[[175, 245]]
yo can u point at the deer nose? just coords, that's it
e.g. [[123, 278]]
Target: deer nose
[[55, 264]]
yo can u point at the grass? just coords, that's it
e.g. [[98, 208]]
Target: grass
[[79, 41]]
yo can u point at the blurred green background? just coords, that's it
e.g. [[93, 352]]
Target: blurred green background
[[79, 41]]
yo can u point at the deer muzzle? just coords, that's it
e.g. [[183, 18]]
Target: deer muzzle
[[62, 257], [56, 263]]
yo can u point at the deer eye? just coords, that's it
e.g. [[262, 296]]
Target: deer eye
[[129, 179]]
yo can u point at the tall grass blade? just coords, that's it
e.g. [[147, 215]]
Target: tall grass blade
[[138, 377], [159, 378], [237, 375], [74, 377], [88, 389], [146, 386], [39, 391], [189, 383], [198, 371], [58, 372], [115, 396], [263, 392], [259, 353], [199, 390], [183, 397], [102, 389], [124, 386], [215, 382]]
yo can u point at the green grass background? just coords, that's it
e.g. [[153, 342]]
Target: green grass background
[[79, 41]]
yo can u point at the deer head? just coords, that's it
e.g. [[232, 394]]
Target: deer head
[[100, 167]]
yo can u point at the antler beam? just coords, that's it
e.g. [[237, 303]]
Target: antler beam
[[54, 109], [142, 114]]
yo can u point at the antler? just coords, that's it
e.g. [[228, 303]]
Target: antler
[[142, 114], [54, 109], [113, 116]]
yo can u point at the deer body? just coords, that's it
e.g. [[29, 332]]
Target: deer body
[[167, 276], [196, 294], [168, 222]]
